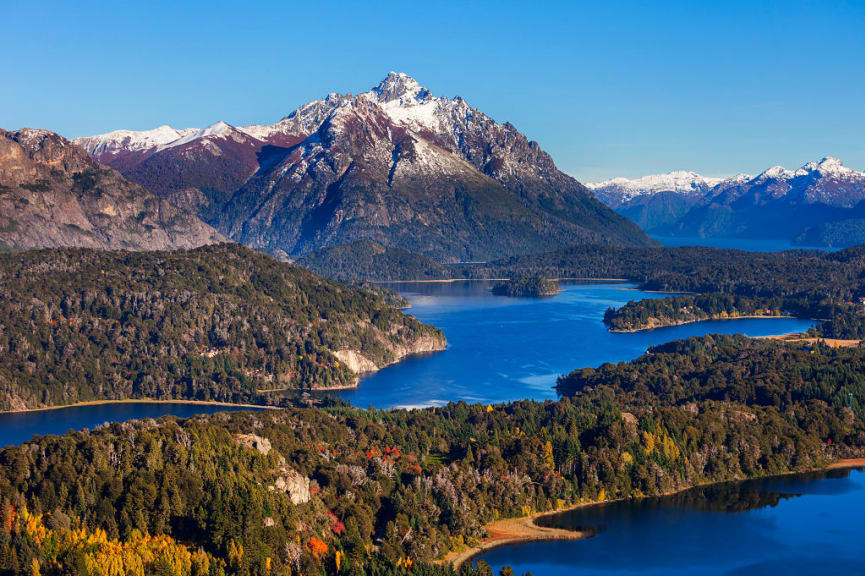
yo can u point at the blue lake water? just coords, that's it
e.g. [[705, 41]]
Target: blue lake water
[[808, 524], [19, 427], [499, 349], [502, 349]]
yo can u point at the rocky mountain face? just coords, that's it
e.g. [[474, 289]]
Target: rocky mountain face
[[53, 194], [820, 204], [395, 165]]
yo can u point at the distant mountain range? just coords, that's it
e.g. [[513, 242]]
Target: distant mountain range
[[53, 194], [820, 204], [395, 165]]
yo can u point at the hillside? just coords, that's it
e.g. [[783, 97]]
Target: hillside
[[395, 165], [215, 323], [53, 194], [368, 260]]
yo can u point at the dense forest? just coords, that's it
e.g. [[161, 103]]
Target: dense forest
[[321, 490], [815, 383], [215, 323], [368, 260], [336, 489], [795, 273]]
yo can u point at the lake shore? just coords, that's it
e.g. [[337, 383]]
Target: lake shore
[[685, 322], [449, 280], [140, 401], [525, 529], [513, 531]]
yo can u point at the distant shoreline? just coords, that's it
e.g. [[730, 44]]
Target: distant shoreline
[[447, 280], [524, 528], [140, 401]]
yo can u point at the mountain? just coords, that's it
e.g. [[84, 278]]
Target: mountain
[[654, 201], [53, 194], [820, 204], [197, 170], [778, 203], [618, 191], [395, 165]]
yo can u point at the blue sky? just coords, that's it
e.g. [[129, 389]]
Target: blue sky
[[608, 88]]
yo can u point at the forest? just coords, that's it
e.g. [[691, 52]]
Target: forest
[[787, 376], [215, 323], [654, 312], [340, 489]]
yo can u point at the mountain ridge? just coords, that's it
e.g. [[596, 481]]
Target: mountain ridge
[[799, 204], [395, 165]]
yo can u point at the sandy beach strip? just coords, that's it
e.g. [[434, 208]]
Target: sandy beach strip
[[524, 529]]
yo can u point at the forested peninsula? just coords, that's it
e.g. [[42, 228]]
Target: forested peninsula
[[218, 323]]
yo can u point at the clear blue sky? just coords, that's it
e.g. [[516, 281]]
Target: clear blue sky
[[608, 88]]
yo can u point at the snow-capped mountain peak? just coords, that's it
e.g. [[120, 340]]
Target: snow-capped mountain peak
[[829, 166], [157, 139], [130, 140], [776, 172], [400, 87], [215, 129], [681, 181]]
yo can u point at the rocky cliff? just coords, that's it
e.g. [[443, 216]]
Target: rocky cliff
[[53, 194]]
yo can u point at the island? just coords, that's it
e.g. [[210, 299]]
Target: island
[[527, 287]]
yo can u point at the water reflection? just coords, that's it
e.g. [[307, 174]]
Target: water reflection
[[803, 524]]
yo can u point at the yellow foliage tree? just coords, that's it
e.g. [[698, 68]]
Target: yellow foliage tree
[[649, 441], [549, 458], [139, 556]]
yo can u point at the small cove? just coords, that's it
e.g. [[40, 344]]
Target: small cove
[[790, 525]]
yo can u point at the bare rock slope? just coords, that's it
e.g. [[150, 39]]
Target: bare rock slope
[[53, 194]]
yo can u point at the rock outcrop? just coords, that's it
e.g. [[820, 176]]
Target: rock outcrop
[[53, 194], [293, 483], [253, 442]]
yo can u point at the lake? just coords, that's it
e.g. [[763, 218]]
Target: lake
[[500, 349], [790, 525], [18, 427]]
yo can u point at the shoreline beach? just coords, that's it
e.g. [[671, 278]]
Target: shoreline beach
[[525, 529]]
